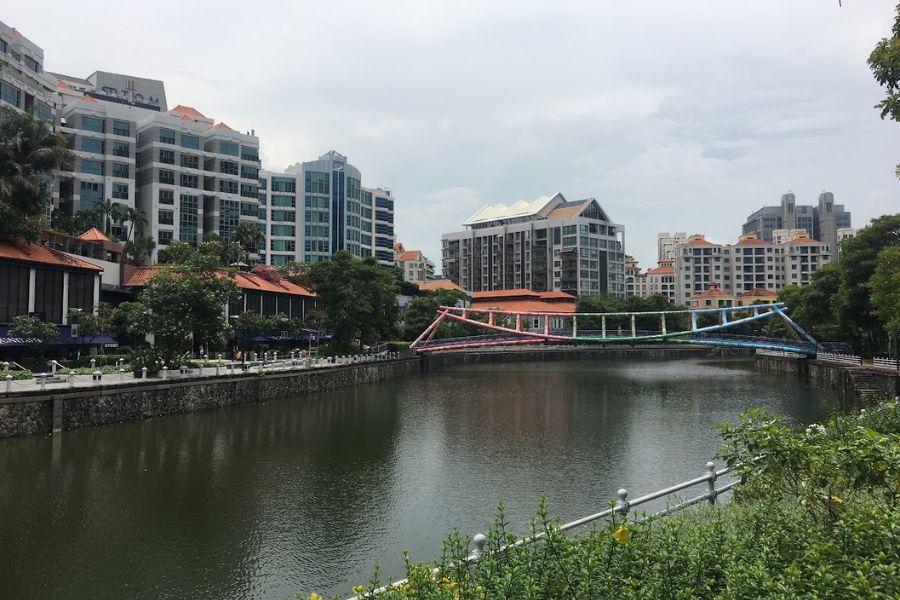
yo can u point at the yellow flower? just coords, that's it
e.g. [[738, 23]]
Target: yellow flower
[[358, 590], [837, 499], [315, 596], [879, 467], [622, 535]]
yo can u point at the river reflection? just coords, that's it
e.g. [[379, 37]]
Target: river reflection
[[309, 493]]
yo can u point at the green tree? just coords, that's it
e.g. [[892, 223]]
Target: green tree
[[885, 284], [34, 331], [90, 325], [358, 297], [29, 151], [108, 212], [130, 320], [885, 64], [247, 235], [140, 248], [136, 220], [297, 272], [247, 325], [177, 252], [84, 220], [186, 302], [422, 311]]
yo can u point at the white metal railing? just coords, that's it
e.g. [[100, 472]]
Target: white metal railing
[[844, 359], [883, 362], [63, 378], [622, 507]]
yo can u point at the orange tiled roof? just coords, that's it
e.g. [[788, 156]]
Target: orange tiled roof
[[527, 306], [517, 293], [660, 271], [94, 234], [37, 253], [801, 241], [709, 293], [758, 292], [410, 255], [188, 110], [248, 281], [221, 125], [63, 85], [698, 242], [443, 284], [87, 98], [752, 242]]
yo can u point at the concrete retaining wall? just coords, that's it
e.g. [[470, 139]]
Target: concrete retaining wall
[[35, 413]]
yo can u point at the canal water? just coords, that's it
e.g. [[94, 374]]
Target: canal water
[[310, 493]]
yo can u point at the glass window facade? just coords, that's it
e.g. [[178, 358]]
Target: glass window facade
[[9, 93], [91, 145], [190, 141], [166, 196], [164, 238], [122, 149], [91, 194], [120, 169], [120, 191], [317, 183], [187, 219], [167, 157], [165, 217], [227, 186], [167, 136], [32, 64], [283, 230], [121, 128], [92, 167], [167, 176], [229, 148], [189, 181], [89, 123], [190, 161]]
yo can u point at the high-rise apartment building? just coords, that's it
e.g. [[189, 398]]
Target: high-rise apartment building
[[635, 280], [820, 222], [661, 280], [549, 244], [24, 85], [750, 264], [415, 266], [319, 207], [666, 243]]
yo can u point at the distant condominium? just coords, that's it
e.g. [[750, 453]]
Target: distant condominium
[[316, 208], [190, 176], [821, 222], [750, 264], [549, 244]]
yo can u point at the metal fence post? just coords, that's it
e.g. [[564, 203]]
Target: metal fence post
[[121, 375], [200, 370], [143, 372], [71, 378], [43, 379], [711, 481], [165, 372], [217, 369], [8, 380], [622, 504], [479, 541]]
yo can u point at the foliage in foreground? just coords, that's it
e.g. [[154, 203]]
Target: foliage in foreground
[[817, 516]]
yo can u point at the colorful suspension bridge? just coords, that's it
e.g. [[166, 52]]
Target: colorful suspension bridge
[[725, 326]]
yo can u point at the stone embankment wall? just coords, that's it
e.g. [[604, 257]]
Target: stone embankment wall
[[35, 413], [856, 385]]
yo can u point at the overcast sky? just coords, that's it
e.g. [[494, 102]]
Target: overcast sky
[[676, 115]]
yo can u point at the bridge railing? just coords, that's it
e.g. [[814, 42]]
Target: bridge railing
[[844, 359], [883, 362], [622, 506]]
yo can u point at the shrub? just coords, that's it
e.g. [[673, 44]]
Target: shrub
[[17, 375], [145, 356]]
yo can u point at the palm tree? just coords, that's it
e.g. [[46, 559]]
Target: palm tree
[[108, 211], [136, 221], [84, 220], [247, 235], [29, 151], [140, 247]]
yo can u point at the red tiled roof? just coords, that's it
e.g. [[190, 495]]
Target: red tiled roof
[[758, 292], [698, 242], [443, 284], [37, 253], [87, 98], [248, 281], [660, 271], [752, 242], [526, 306], [187, 118], [188, 110], [94, 234], [566, 212], [410, 255], [63, 85], [801, 241], [709, 293], [221, 125], [517, 293]]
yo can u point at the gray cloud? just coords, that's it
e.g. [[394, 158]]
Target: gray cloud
[[675, 115]]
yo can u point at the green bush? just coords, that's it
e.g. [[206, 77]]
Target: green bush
[[17, 374], [817, 517], [89, 371], [101, 360], [397, 346], [146, 356]]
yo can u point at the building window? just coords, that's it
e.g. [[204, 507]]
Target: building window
[[189, 181], [167, 157], [282, 245], [228, 167], [190, 161], [9, 93], [81, 291], [48, 291], [228, 187], [166, 176], [229, 148], [91, 167], [384, 203], [248, 190], [120, 170], [248, 210], [89, 123], [284, 230], [14, 292], [91, 145], [91, 194], [122, 128], [166, 197], [187, 219], [167, 136], [317, 183], [165, 238], [284, 201], [249, 172], [121, 149], [43, 111], [32, 64], [166, 217], [190, 141], [120, 191], [249, 153]]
